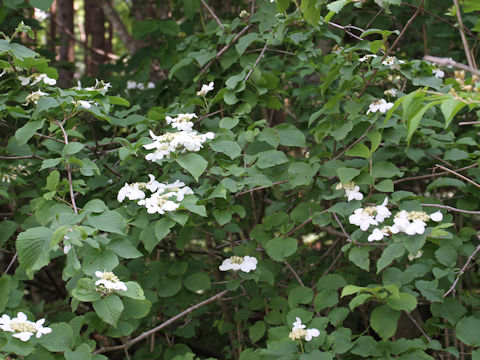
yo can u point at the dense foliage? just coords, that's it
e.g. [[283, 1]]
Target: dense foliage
[[279, 186]]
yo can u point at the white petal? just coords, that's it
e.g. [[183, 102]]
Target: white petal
[[436, 216]]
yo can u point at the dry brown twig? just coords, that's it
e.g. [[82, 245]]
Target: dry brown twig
[[442, 61]]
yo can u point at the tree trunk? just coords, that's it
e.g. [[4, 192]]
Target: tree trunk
[[52, 33], [95, 36], [119, 27], [66, 50]]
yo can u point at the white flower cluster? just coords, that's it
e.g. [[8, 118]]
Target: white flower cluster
[[367, 57], [408, 222], [379, 105], [392, 62], [391, 92], [299, 332], [206, 88], [33, 97], [438, 73], [40, 15], [86, 104], [101, 86], [22, 328], [36, 78], [109, 282], [165, 197], [134, 85], [175, 142], [245, 264], [182, 122], [352, 191]]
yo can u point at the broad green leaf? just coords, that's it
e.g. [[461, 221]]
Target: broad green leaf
[[279, 249], [193, 163], [390, 253], [169, 287], [451, 310], [414, 122], [72, 148], [245, 41], [429, 289], [384, 321], [351, 289], [404, 301], [82, 352], [86, 291], [134, 291], [450, 108], [60, 339], [290, 136], [358, 300], [27, 131], [256, 331], [33, 247], [41, 4], [302, 173], [109, 309], [347, 174], [337, 5], [109, 221], [271, 158], [5, 291], [124, 248], [299, 295], [360, 257], [385, 169], [384, 186], [359, 150], [197, 281], [161, 229], [230, 148], [467, 331], [310, 11]]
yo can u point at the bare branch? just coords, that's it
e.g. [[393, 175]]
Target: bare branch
[[69, 170], [441, 61], [459, 175], [209, 9], [450, 208], [256, 62], [470, 258], [468, 54], [294, 273]]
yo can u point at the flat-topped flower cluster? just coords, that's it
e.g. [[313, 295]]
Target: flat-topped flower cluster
[[184, 140], [22, 328], [108, 282], [164, 197], [299, 331]]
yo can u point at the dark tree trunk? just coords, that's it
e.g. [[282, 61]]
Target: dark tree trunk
[[66, 54], [52, 32], [95, 36]]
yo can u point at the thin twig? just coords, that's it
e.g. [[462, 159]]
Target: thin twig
[[469, 123], [389, 50], [256, 62], [21, 157], [418, 326], [438, 158], [468, 54], [213, 14], [449, 208], [224, 49], [470, 258], [161, 326], [459, 175], [343, 229], [11, 263], [208, 115], [69, 170], [432, 175], [294, 273], [260, 188], [354, 143], [332, 264], [441, 61]]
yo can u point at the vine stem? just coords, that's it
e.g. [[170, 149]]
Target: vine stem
[[462, 271], [69, 170], [146, 334]]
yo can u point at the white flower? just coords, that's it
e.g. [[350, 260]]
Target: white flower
[[109, 281], [33, 97], [379, 105], [299, 332], [159, 203], [382, 211], [24, 80], [86, 104], [412, 257], [363, 218], [392, 62], [140, 86], [131, 84], [22, 328], [150, 85], [132, 192], [438, 73], [181, 122], [205, 89], [67, 248], [378, 234], [391, 92], [354, 194], [436, 216], [367, 57], [310, 238], [245, 264], [40, 15]]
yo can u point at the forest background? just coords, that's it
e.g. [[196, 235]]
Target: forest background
[[193, 179]]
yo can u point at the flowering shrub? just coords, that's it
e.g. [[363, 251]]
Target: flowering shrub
[[283, 192]]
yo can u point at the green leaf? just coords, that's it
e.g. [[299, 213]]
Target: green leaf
[[414, 122], [310, 11], [60, 339], [182, 63], [360, 150], [109, 221], [450, 108], [338, 5], [169, 287], [124, 248], [351, 289], [404, 301], [290, 136], [390, 253], [429, 290], [86, 291], [385, 169], [451, 310], [279, 249], [33, 247], [109, 309], [197, 281], [134, 291], [299, 295], [256, 331], [5, 291], [142, 28], [358, 300], [360, 257], [222, 216], [244, 42], [7, 229], [347, 174], [161, 229], [384, 321], [24, 134], [302, 173], [41, 4], [467, 331], [49, 163], [228, 122], [168, 27], [52, 180], [82, 352], [193, 163], [446, 255], [230, 148], [72, 148], [271, 158], [385, 186]]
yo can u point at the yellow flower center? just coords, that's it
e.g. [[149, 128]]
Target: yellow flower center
[[297, 334], [110, 277], [236, 260], [23, 327]]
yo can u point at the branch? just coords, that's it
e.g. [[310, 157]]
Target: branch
[[432, 175], [259, 188], [294, 273], [354, 143], [449, 208], [69, 170], [418, 325], [11, 263], [146, 334], [468, 54], [459, 175], [256, 62], [441, 61], [224, 49], [470, 258], [213, 14]]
